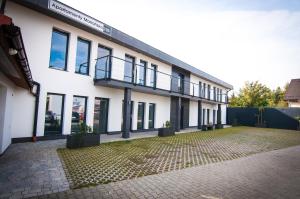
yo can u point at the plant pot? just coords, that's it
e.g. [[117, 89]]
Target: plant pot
[[211, 127], [204, 128], [163, 132], [219, 126], [79, 140]]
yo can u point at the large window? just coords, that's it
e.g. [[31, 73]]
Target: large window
[[54, 114], [180, 83], [141, 113], [129, 68], [151, 116], [204, 90], [220, 99], [103, 65], [100, 115], [208, 91], [82, 57], [200, 89], [59, 50], [153, 71], [215, 94], [78, 112], [142, 73]]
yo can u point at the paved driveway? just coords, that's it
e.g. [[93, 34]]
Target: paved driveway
[[274, 174]]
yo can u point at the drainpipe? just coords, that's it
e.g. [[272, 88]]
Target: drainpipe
[[36, 108]]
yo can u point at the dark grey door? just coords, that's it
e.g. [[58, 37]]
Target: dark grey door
[[101, 115]]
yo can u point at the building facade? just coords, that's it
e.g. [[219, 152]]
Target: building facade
[[89, 72], [292, 95]]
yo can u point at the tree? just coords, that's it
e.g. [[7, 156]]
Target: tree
[[255, 94]]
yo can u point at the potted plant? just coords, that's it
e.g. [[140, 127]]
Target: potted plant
[[166, 130], [210, 126], [83, 138]]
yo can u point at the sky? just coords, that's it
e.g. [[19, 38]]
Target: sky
[[233, 40]]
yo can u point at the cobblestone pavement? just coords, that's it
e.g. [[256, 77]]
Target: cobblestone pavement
[[274, 174], [112, 162], [30, 169]]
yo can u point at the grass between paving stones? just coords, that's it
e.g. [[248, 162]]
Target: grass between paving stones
[[123, 160]]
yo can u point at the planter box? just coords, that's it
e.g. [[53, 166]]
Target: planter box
[[82, 140], [163, 132], [219, 126], [211, 127], [204, 128]]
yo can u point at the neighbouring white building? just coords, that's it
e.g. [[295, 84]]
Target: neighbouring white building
[[292, 95], [83, 70]]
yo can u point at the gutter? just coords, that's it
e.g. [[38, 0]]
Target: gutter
[[36, 109]]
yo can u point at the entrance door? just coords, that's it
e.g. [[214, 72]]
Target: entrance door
[[101, 115], [181, 116]]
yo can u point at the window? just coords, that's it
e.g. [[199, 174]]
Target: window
[[103, 65], [129, 68], [59, 50], [221, 95], [78, 112], [142, 72], [208, 116], [180, 84], [208, 91], [204, 90], [151, 116], [54, 114], [100, 115], [203, 117], [200, 89], [153, 71], [82, 57], [131, 114], [214, 116], [140, 119], [218, 94], [215, 94]]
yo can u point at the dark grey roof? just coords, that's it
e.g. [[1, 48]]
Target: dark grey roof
[[122, 39]]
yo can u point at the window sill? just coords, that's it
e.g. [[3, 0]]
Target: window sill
[[58, 69]]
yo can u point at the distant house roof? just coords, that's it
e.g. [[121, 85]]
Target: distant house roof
[[293, 91]]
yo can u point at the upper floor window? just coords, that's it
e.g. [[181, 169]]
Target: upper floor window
[[59, 50], [200, 89], [153, 70], [129, 68], [221, 100], [215, 94], [82, 57], [103, 65], [204, 90], [208, 91], [142, 72], [180, 84]]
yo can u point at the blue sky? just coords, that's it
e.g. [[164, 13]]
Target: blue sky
[[234, 40]]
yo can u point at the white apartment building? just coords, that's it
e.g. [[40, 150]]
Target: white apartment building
[[80, 69]]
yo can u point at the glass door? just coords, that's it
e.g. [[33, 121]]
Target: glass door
[[101, 115]]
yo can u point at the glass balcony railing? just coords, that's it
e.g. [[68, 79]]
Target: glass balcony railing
[[118, 69]]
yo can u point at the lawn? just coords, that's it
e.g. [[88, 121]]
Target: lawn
[[122, 160]]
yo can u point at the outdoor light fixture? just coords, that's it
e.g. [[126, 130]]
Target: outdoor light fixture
[[12, 51]]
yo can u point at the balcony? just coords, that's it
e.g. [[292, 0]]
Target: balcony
[[116, 72]]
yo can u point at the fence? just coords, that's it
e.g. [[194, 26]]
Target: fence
[[266, 117]]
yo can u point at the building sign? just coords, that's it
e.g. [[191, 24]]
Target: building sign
[[78, 16]]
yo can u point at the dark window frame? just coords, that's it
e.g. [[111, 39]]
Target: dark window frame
[[85, 106], [107, 114], [153, 119], [143, 117], [110, 55], [65, 33], [145, 71], [62, 109], [133, 68], [155, 75], [89, 55], [180, 79]]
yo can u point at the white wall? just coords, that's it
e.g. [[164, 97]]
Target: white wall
[[193, 115], [36, 31], [162, 108]]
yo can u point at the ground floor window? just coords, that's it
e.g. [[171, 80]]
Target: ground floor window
[[203, 117], [78, 112], [208, 112], [100, 115], [151, 116], [141, 113], [54, 114], [214, 116]]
